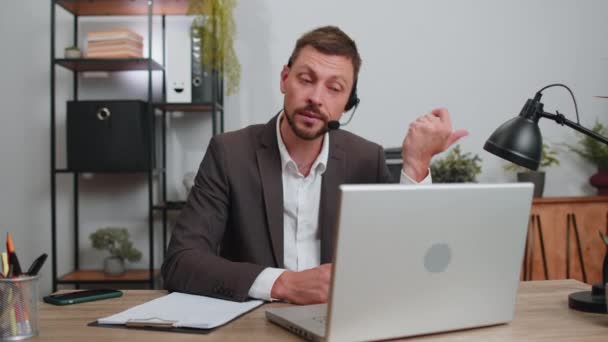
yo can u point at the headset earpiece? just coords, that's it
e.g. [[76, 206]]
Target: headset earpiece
[[353, 99]]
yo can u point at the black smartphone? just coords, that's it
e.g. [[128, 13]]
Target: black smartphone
[[81, 296]]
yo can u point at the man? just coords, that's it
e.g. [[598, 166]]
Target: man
[[259, 221]]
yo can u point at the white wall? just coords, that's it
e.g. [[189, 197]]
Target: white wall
[[480, 59], [24, 130]]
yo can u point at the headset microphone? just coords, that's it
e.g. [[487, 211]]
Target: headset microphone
[[333, 125], [351, 104]]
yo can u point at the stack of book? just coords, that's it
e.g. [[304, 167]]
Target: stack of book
[[114, 44]]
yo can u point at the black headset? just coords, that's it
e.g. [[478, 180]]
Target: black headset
[[353, 99]]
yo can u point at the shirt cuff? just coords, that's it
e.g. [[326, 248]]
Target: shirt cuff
[[405, 179], [262, 286]]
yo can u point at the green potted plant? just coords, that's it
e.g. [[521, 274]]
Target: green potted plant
[[215, 25], [116, 241], [548, 158], [456, 167], [596, 153]]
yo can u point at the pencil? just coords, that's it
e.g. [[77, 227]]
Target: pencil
[[12, 255], [26, 328]]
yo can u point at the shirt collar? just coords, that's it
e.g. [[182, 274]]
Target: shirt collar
[[320, 164]]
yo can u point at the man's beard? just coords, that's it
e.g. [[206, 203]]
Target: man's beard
[[302, 134]]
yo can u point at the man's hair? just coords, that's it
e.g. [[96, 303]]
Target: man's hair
[[329, 40]]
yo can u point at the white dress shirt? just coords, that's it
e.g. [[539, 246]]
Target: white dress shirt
[[301, 198]]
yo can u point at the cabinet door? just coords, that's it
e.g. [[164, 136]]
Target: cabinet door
[[591, 217]]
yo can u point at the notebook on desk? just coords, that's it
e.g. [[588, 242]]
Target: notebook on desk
[[180, 312]]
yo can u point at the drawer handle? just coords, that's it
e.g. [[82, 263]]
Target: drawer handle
[[103, 113]]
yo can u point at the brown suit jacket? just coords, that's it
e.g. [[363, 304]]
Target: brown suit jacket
[[232, 225]]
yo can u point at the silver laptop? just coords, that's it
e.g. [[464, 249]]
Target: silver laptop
[[413, 260]]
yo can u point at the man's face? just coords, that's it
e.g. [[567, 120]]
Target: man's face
[[316, 89]]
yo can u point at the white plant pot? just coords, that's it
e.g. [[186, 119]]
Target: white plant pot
[[114, 266]]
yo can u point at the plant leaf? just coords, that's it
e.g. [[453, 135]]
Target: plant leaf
[[456, 167], [215, 23], [592, 150]]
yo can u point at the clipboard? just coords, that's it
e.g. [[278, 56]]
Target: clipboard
[[179, 312], [153, 327]]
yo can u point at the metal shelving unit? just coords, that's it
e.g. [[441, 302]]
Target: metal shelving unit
[[149, 8]]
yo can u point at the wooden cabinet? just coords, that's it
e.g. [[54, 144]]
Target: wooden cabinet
[[566, 254]]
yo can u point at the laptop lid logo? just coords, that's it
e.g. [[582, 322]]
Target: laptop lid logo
[[437, 258]]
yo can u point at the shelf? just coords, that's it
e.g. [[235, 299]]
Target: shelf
[[155, 172], [107, 64], [97, 276], [123, 7], [188, 107], [170, 205]]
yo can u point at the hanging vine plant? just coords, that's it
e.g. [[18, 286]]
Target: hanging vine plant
[[216, 27]]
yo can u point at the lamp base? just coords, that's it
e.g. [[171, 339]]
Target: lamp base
[[589, 301]]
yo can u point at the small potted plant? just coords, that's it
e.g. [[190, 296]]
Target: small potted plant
[[596, 153], [456, 167], [117, 242], [548, 158]]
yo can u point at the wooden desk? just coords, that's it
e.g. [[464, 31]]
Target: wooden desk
[[542, 314]]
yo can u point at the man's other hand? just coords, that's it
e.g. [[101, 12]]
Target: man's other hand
[[305, 287]]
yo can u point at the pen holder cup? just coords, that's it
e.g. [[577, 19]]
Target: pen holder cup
[[18, 308]]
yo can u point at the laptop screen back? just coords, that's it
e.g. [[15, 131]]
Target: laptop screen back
[[414, 260]]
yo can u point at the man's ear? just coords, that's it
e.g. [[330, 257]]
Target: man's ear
[[284, 74]]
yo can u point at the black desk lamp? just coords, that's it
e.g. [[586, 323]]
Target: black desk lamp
[[519, 141]]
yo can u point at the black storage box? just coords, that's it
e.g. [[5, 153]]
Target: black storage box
[[108, 136]]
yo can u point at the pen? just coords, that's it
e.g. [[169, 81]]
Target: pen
[[12, 318], [18, 310], [37, 265], [12, 256]]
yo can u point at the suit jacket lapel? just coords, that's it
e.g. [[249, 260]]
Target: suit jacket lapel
[[269, 165], [334, 176]]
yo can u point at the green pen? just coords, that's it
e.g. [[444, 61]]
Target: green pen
[[11, 308]]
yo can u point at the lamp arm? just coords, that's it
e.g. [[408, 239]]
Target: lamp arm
[[561, 119]]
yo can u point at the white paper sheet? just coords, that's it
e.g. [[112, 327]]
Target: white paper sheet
[[184, 310]]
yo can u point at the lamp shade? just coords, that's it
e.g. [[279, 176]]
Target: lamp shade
[[517, 140]]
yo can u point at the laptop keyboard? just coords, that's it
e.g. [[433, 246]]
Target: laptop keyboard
[[320, 319]]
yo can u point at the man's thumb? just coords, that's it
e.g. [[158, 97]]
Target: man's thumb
[[456, 135]]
